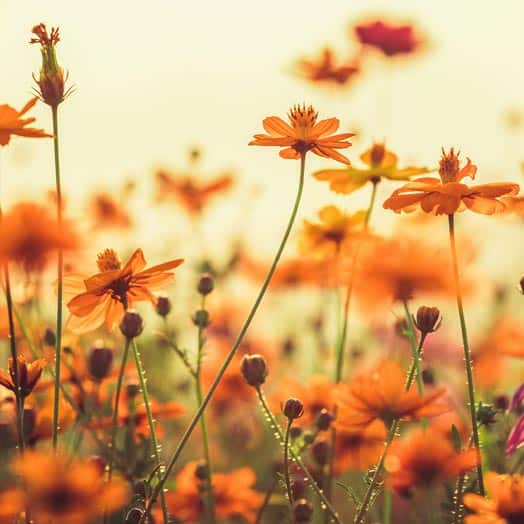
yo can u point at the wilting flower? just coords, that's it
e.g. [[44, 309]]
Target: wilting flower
[[390, 39], [190, 193], [12, 123], [325, 69], [381, 394], [58, 489], [304, 134], [105, 297], [380, 163], [506, 505], [423, 459], [233, 492], [106, 212], [29, 374], [325, 238], [29, 234], [449, 194]]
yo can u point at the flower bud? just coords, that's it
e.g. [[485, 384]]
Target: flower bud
[[206, 284], [201, 471], [254, 370], [302, 511], [428, 376], [49, 338], [428, 319], [132, 324], [163, 306], [486, 414], [293, 408], [99, 362], [200, 318], [320, 451], [132, 390], [324, 420], [295, 432]]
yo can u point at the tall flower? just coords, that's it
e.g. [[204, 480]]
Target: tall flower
[[105, 296], [447, 195], [390, 39], [302, 134], [12, 123]]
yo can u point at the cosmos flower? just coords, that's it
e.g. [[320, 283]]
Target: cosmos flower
[[304, 134], [105, 296], [12, 123], [326, 70], [29, 374], [390, 39], [449, 194], [381, 164]]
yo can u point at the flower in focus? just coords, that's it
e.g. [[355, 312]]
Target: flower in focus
[[29, 235], [325, 70], [423, 459], [106, 212], [381, 394], [105, 296], [390, 39], [335, 228], [29, 374], [234, 495], [380, 163], [449, 194], [506, 505], [12, 123], [304, 134]]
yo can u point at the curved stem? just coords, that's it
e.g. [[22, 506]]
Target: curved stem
[[151, 423], [189, 430], [467, 353], [58, 348], [415, 351], [286, 462]]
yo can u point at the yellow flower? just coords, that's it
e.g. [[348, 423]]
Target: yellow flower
[[380, 163]]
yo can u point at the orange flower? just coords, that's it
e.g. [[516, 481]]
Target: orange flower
[[234, 495], [106, 212], [12, 123], [381, 164], [303, 135], [449, 195], [382, 394], [106, 295], [191, 194], [326, 70], [390, 39], [423, 459], [64, 491], [334, 229], [29, 374], [29, 234], [506, 505]]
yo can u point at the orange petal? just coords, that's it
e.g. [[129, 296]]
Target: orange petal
[[276, 127]]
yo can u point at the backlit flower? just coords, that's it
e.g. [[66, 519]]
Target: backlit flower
[[390, 39], [12, 123], [29, 374], [423, 459], [303, 134], [380, 163], [105, 296], [506, 505], [447, 195], [381, 394], [106, 212], [326, 70]]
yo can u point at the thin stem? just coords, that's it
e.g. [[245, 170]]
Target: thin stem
[[154, 440], [467, 354], [286, 462], [388, 506], [189, 430], [59, 292], [280, 437], [415, 351], [416, 356]]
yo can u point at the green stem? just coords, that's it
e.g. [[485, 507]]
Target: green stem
[[388, 506], [467, 354], [416, 359], [286, 462], [415, 351], [189, 430], [154, 440], [58, 349]]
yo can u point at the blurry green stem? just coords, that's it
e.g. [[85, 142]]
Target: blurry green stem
[[415, 350], [388, 506], [286, 462]]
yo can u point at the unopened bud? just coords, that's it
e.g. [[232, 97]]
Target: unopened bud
[[163, 306], [206, 284], [254, 370], [428, 376], [49, 338], [132, 390], [99, 362], [202, 471], [302, 511], [486, 414], [200, 318], [428, 319], [324, 420], [320, 452], [132, 324], [293, 408]]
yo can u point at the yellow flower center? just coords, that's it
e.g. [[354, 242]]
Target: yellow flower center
[[377, 154], [302, 119], [108, 260], [449, 166]]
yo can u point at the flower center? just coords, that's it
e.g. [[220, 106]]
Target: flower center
[[108, 260], [449, 166], [377, 154], [302, 119]]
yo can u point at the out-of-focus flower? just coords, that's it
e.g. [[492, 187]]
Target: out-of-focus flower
[[506, 505], [390, 39], [29, 374], [381, 394], [193, 195], [106, 212], [59, 489], [304, 134], [516, 400], [448, 195], [106, 296], [326, 70], [516, 436], [29, 234], [381, 164], [507, 337], [233, 492], [423, 459], [12, 123], [325, 238]]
